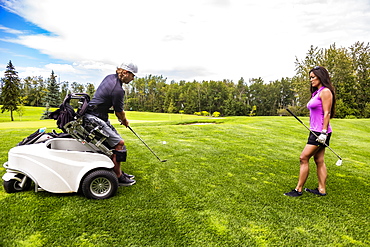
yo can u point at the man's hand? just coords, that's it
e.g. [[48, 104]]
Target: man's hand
[[322, 138], [122, 118], [124, 122]]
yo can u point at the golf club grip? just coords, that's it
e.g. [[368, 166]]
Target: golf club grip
[[294, 115], [301, 122]]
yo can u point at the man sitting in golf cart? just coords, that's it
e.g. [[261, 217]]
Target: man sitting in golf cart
[[111, 94]]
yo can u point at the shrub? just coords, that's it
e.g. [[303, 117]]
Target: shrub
[[253, 111], [45, 114], [216, 114], [367, 110]]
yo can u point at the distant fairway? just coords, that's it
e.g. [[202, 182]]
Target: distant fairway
[[222, 185]]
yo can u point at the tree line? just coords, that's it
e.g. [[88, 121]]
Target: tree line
[[35, 91], [349, 69]]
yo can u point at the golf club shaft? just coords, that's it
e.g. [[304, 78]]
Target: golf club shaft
[[312, 132], [144, 143]]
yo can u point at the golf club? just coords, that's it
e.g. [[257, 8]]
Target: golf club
[[146, 144], [339, 162]]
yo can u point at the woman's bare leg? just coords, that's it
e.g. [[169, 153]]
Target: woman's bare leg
[[321, 170], [304, 170]]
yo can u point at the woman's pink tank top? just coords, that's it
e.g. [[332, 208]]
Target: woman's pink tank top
[[316, 112]]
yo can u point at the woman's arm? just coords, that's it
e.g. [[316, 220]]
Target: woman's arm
[[327, 101]]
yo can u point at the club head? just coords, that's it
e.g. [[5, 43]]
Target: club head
[[339, 162], [163, 160]]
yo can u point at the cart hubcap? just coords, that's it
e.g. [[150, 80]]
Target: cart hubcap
[[17, 186], [100, 186]]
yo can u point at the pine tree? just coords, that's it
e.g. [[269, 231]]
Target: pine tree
[[53, 94], [10, 92], [90, 90]]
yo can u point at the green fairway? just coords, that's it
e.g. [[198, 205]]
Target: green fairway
[[222, 185]]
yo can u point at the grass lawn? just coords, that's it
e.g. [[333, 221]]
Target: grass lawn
[[222, 185]]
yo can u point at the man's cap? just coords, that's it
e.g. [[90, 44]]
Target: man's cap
[[129, 67]]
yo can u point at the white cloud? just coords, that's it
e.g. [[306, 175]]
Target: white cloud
[[61, 68], [94, 65], [189, 39], [10, 30], [33, 71]]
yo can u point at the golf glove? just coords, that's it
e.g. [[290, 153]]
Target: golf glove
[[321, 138]]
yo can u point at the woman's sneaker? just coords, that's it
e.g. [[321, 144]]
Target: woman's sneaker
[[315, 191], [293, 193], [125, 181]]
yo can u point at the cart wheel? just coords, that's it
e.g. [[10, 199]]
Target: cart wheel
[[100, 184], [13, 185]]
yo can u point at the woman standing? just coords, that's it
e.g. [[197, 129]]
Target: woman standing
[[322, 109]]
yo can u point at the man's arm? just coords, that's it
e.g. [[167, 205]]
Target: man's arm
[[122, 118]]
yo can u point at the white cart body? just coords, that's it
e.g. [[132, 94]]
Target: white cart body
[[57, 165]]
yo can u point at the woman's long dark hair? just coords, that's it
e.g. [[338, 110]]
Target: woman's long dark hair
[[324, 78]]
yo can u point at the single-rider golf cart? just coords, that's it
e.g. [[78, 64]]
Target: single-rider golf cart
[[79, 161]]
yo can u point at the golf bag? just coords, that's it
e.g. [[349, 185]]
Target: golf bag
[[66, 112], [63, 115], [39, 136], [74, 123]]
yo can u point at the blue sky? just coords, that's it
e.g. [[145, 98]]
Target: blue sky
[[12, 25], [85, 40], [22, 57]]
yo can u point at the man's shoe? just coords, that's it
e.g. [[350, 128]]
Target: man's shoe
[[315, 191], [128, 175], [293, 193], [125, 181]]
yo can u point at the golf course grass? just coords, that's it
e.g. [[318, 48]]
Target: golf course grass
[[222, 185]]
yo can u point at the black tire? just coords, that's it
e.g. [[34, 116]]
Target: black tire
[[13, 185], [100, 184]]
